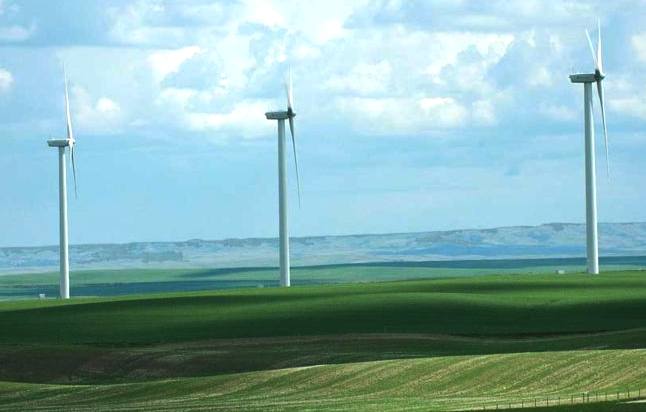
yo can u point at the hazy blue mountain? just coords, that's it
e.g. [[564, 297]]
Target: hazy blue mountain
[[548, 240]]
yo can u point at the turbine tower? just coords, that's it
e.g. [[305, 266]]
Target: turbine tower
[[61, 144], [282, 178], [592, 239]]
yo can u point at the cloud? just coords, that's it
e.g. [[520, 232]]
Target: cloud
[[363, 79], [166, 62], [634, 106], [93, 116], [638, 42], [484, 112], [558, 112], [263, 12], [245, 119], [13, 32], [6, 80], [200, 64], [16, 33], [443, 111], [494, 15], [393, 116]]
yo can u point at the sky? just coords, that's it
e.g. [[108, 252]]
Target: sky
[[411, 115]]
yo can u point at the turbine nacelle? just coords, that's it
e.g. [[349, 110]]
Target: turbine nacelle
[[583, 78], [283, 115], [59, 143]]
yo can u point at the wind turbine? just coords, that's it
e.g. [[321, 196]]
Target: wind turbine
[[282, 178], [592, 239], [61, 144]]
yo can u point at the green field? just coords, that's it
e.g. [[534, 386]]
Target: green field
[[440, 344], [116, 282]]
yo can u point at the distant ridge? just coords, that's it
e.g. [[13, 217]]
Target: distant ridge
[[546, 240]]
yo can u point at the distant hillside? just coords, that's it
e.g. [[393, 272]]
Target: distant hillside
[[548, 240]]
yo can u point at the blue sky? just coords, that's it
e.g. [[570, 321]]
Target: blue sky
[[412, 115]]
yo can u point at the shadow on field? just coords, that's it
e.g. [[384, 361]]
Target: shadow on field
[[140, 288], [206, 273], [493, 263], [112, 364]]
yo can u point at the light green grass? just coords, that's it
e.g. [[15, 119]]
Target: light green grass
[[442, 383]]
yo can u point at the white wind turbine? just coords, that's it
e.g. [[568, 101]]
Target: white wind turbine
[[61, 144], [590, 172], [282, 178]]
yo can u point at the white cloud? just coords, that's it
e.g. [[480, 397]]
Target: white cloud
[[329, 30], [461, 60], [540, 76], [135, 24], [166, 62], [483, 112], [6, 80], [245, 119], [176, 97], [639, 44], [317, 21], [443, 111], [107, 107], [263, 12], [102, 115], [558, 112], [396, 116], [632, 106], [16, 33], [363, 79], [201, 65], [304, 51]]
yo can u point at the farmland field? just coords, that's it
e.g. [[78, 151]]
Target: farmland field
[[116, 282], [438, 344]]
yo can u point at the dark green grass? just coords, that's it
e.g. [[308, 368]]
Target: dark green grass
[[114, 364], [510, 306]]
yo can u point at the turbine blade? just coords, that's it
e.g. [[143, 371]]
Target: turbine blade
[[599, 58], [70, 134], [298, 178], [289, 91], [73, 161], [594, 57], [603, 119]]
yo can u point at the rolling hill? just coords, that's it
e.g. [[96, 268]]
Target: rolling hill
[[441, 344]]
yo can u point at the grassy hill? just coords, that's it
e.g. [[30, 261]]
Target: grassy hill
[[443, 343], [484, 306], [441, 383]]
